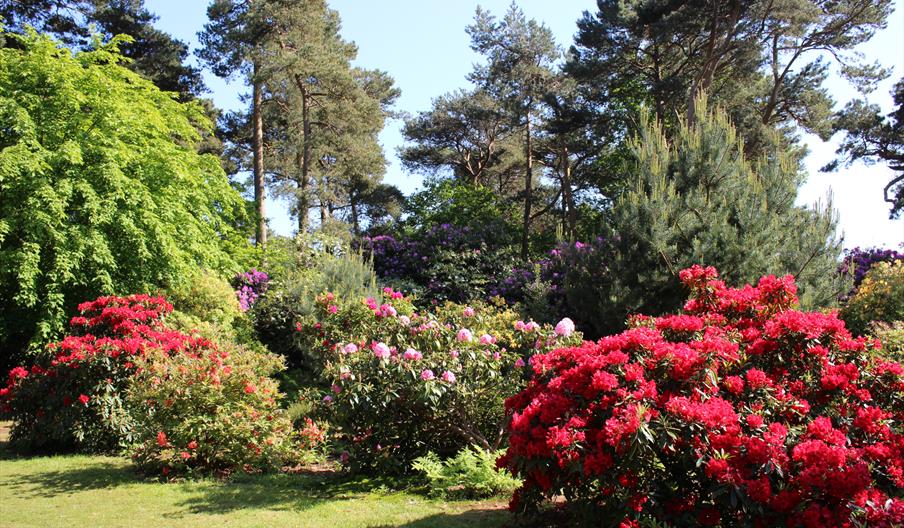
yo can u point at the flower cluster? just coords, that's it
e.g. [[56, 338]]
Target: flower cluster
[[859, 261], [402, 383], [249, 286], [739, 412], [444, 261], [72, 395]]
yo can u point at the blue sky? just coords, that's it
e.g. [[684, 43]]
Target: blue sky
[[423, 45]]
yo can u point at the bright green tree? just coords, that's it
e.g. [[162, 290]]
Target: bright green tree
[[101, 187]]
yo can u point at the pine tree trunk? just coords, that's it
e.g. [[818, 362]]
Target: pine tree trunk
[[258, 169], [567, 197], [305, 160], [302, 198], [356, 229], [528, 189]]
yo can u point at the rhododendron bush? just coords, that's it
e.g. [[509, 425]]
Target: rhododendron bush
[[122, 378], [72, 395], [210, 409], [402, 383], [741, 411]]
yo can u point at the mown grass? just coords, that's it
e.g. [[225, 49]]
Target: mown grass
[[97, 491]]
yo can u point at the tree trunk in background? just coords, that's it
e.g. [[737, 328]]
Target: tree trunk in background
[[528, 190], [567, 197], [302, 196], [258, 170], [305, 158]]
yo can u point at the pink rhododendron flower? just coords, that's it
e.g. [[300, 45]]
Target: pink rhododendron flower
[[344, 457], [83, 399], [332, 308], [381, 350], [387, 310], [448, 377], [412, 355], [336, 388], [487, 339], [519, 363], [565, 327], [464, 335], [519, 326], [468, 312], [327, 399], [350, 348], [427, 375], [454, 354], [404, 320]]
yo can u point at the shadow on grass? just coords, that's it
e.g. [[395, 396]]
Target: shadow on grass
[[280, 491], [476, 518], [52, 483]]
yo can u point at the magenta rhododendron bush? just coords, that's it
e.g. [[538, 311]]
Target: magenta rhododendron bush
[[72, 395], [741, 411], [123, 378]]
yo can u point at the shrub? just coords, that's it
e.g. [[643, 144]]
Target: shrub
[[72, 395], [857, 262], [209, 409], [249, 286], [891, 335], [404, 383], [443, 262], [291, 298], [739, 412], [880, 297], [471, 474]]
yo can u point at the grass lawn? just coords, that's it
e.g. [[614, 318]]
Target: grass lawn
[[94, 491]]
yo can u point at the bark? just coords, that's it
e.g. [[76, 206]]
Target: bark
[[305, 157], [567, 197], [258, 159], [528, 189]]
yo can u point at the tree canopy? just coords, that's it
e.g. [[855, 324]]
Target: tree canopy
[[103, 188]]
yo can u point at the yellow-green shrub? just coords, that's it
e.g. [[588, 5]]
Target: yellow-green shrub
[[880, 297]]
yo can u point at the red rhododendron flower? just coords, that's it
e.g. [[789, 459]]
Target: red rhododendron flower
[[739, 396]]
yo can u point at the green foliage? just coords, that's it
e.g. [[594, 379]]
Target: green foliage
[[207, 305], [751, 56], [206, 298], [698, 200], [470, 474], [880, 298], [403, 384], [871, 137], [103, 190], [213, 411], [291, 298], [892, 337], [460, 204], [153, 54]]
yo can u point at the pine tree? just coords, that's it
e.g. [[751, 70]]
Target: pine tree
[[697, 200], [154, 54], [520, 55], [329, 113], [232, 42]]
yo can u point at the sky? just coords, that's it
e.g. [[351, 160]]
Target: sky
[[423, 45]]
